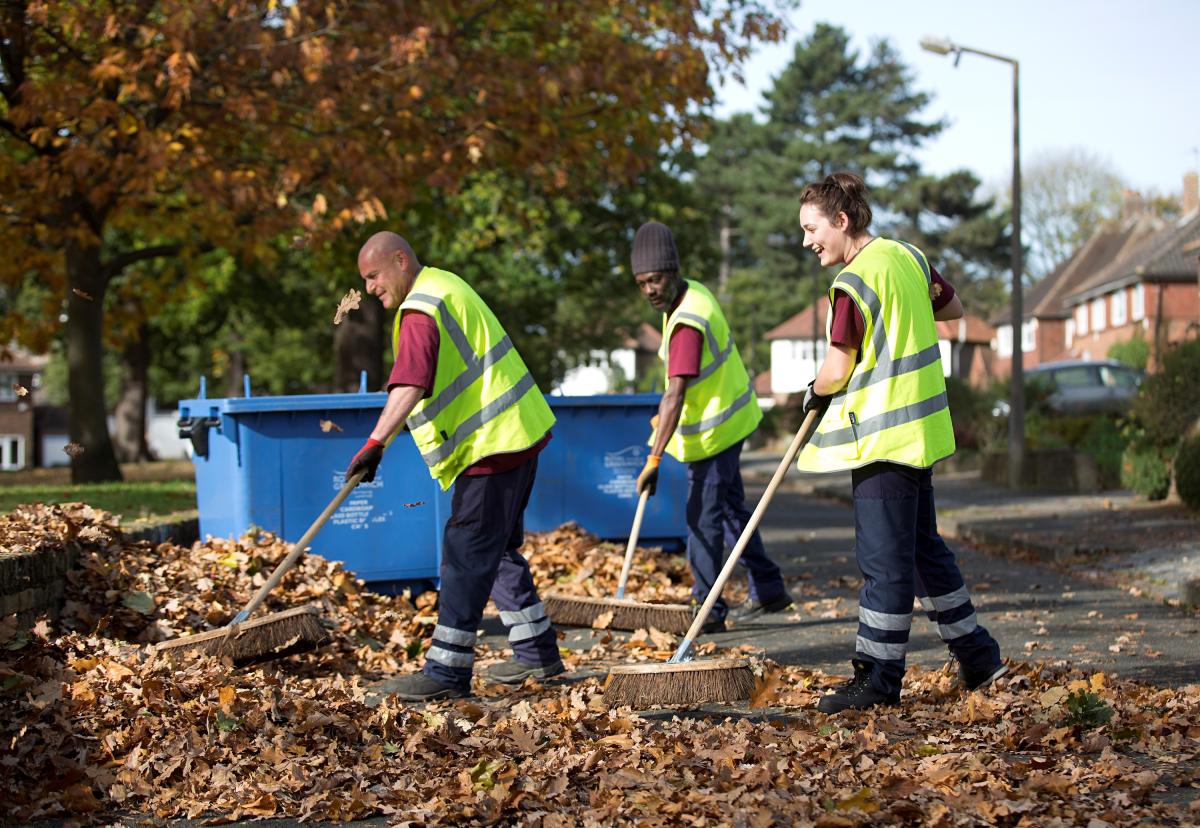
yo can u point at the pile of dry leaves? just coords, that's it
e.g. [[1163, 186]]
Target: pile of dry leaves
[[94, 728]]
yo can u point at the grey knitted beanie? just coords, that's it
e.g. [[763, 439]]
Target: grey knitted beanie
[[654, 249]]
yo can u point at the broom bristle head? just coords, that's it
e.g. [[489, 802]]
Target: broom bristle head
[[691, 683], [583, 611], [272, 636]]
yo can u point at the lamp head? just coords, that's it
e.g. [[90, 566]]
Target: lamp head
[[938, 45]]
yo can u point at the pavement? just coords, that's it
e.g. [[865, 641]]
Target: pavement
[[1091, 581]]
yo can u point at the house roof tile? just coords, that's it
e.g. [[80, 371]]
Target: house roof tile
[[1112, 242], [1161, 256], [800, 326]]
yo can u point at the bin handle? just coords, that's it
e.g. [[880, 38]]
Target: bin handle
[[196, 430], [297, 550]]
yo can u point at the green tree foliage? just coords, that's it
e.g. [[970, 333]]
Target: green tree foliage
[[832, 109]]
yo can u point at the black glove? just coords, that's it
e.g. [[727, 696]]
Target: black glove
[[367, 460], [815, 402], [648, 479]]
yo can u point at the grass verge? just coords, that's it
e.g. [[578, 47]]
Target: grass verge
[[135, 501]]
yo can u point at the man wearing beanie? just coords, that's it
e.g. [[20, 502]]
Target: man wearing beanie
[[706, 413]]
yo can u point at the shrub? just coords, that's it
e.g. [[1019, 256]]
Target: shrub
[[1105, 441], [1187, 471], [971, 412], [1145, 469], [1132, 352], [1168, 401]]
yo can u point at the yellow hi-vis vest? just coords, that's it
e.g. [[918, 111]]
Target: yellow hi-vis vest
[[894, 406], [719, 407], [484, 400]]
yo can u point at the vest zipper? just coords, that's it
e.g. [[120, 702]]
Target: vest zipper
[[854, 427]]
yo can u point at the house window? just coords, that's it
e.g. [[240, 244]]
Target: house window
[[1139, 302], [12, 452], [1004, 343], [1119, 317], [805, 350], [7, 392], [1029, 335], [1070, 331], [1098, 322], [1081, 320]]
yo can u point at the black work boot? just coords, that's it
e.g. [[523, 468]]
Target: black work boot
[[515, 671], [979, 679], [752, 608], [415, 687], [856, 694]]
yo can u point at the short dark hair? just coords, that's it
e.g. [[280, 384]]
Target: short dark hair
[[842, 192]]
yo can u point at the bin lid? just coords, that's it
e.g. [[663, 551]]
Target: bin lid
[[295, 402]]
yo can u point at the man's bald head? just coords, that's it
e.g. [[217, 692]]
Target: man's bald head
[[389, 267]]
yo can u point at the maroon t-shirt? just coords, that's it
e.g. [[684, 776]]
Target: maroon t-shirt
[[416, 365], [847, 327], [685, 349]]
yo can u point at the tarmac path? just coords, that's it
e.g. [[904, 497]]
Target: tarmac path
[[1035, 611]]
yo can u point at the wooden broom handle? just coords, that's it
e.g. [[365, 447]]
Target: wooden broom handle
[[802, 436], [297, 550], [633, 539]]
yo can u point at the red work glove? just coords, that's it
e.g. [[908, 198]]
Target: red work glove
[[648, 479], [367, 460]]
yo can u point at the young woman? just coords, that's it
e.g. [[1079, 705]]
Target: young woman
[[882, 397]]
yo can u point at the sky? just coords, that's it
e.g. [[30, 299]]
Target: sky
[[1119, 79]]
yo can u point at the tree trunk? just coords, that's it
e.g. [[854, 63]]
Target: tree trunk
[[358, 345], [130, 411], [87, 422], [235, 369]]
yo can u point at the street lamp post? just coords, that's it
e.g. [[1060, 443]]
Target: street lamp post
[[1016, 415]]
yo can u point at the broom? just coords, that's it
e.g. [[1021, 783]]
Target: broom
[[627, 614], [682, 680], [272, 636]]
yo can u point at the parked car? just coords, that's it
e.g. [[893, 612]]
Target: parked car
[[1079, 386]]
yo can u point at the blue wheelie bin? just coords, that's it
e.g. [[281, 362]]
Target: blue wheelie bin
[[269, 462]]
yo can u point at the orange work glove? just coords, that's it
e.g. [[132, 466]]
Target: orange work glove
[[648, 479]]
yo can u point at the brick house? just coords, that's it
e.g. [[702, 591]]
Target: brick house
[[1150, 292], [1044, 329], [19, 371]]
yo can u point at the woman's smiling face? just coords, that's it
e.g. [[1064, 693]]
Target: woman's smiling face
[[828, 239]]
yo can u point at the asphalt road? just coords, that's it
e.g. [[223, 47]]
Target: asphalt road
[[1033, 610]]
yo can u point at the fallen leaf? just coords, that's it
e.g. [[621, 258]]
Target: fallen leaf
[[20, 390], [81, 294], [329, 425], [73, 450], [348, 303]]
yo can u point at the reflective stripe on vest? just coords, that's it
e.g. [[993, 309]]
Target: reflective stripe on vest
[[719, 405], [484, 399], [894, 406]]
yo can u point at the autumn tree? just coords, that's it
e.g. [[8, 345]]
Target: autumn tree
[[1065, 196], [141, 129]]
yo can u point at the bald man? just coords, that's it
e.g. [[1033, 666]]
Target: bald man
[[479, 421]]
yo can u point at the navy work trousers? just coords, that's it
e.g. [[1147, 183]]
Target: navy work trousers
[[901, 555], [716, 516], [480, 556]]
